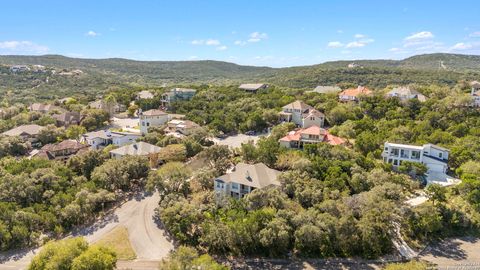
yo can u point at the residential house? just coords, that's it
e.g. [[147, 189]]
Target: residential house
[[297, 139], [184, 127], [245, 178], [67, 119], [354, 65], [253, 87], [353, 94], [432, 156], [176, 94], [144, 95], [26, 133], [102, 138], [151, 118], [111, 109], [406, 93], [19, 68], [60, 151], [135, 149], [302, 114], [325, 90], [44, 108], [475, 93]]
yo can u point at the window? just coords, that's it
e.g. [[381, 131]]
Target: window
[[440, 155], [312, 118], [148, 124], [415, 154], [143, 124], [234, 186], [404, 153], [394, 152], [395, 162]]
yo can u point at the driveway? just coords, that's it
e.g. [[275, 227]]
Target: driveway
[[454, 253], [150, 242]]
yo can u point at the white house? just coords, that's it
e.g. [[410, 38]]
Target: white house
[[303, 115], [184, 127], [244, 179], [102, 138], [475, 93], [151, 118], [406, 93], [144, 95], [432, 156], [135, 149]]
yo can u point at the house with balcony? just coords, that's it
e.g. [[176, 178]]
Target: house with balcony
[[434, 157], [302, 114], [176, 94], [245, 178], [103, 138], [297, 139], [151, 118]]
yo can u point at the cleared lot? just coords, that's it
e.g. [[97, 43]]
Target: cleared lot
[[237, 140], [455, 253]]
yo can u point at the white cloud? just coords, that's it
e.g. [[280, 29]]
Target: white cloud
[[212, 42], [19, 47], [461, 46], [257, 36], [92, 33], [340, 31], [420, 36], [475, 34], [335, 44], [198, 42], [394, 50], [208, 42], [359, 36], [355, 44], [240, 43], [222, 48]]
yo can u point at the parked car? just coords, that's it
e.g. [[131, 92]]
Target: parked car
[[250, 133]]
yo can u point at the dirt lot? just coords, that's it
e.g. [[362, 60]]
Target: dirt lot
[[455, 253], [237, 140]]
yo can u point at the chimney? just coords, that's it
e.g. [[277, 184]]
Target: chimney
[[247, 176]]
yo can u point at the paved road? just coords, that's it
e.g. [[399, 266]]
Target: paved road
[[148, 240]]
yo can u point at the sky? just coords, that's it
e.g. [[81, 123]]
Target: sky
[[275, 33]]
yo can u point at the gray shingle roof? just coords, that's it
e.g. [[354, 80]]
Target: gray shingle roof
[[136, 149], [257, 175]]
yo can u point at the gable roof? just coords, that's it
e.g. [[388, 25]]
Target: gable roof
[[313, 112], [67, 117], [252, 86], [354, 92], [298, 105], [43, 107], [137, 149], [325, 89], [31, 130], [153, 112], [408, 92], [63, 145], [475, 84], [256, 175], [323, 134]]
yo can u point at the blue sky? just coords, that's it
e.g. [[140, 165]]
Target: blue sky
[[265, 32]]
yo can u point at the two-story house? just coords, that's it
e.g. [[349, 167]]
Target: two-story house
[[406, 93], [302, 114], [67, 119], [353, 94], [176, 94], [102, 138], [434, 157], [245, 178], [28, 133], [298, 138], [60, 151], [151, 118]]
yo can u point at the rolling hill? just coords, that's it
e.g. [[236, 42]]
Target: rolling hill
[[100, 75]]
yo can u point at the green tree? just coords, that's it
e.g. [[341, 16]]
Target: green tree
[[74, 132]]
